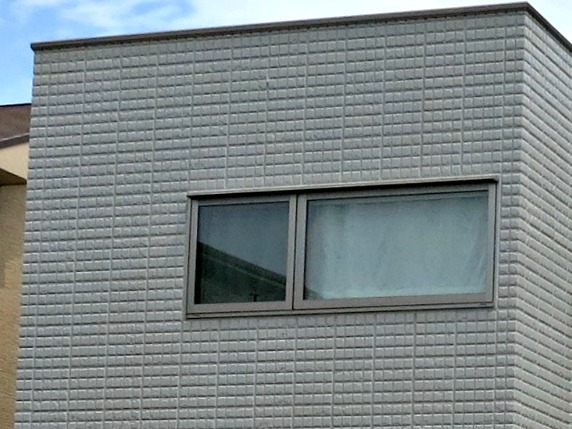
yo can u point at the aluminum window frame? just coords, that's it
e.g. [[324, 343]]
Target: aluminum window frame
[[394, 301], [298, 199], [232, 307]]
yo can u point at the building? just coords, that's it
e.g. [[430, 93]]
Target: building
[[14, 136], [389, 194]]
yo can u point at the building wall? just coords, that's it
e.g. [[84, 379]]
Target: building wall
[[122, 132], [12, 214], [544, 343]]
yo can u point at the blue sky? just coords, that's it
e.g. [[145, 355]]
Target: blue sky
[[25, 21]]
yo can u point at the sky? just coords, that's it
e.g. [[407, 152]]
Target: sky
[[23, 22]]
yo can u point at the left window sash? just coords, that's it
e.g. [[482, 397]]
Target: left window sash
[[241, 254]]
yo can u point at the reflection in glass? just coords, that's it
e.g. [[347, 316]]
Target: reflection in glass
[[241, 253], [434, 244]]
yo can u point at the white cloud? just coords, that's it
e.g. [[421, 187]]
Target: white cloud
[[106, 16], [224, 12], [118, 16], [23, 9], [31, 4], [98, 17], [122, 16]]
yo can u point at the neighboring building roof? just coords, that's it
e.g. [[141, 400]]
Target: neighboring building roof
[[433, 13], [14, 123], [14, 138]]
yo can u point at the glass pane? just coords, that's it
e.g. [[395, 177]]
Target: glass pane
[[432, 244], [241, 253]]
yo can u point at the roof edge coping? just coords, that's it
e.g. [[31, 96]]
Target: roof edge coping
[[15, 105], [321, 22], [14, 140]]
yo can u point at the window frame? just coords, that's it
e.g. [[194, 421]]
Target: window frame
[[461, 298], [192, 241], [298, 202]]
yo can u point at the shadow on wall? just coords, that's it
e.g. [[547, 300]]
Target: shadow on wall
[[14, 136]]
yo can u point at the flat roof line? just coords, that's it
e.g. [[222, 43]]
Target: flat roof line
[[15, 105], [431, 13], [14, 140]]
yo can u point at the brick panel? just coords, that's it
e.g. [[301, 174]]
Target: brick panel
[[545, 295]]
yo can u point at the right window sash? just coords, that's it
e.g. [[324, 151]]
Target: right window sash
[[430, 245]]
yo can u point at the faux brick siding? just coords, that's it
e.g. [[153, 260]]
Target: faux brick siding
[[544, 342], [12, 213], [121, 132]]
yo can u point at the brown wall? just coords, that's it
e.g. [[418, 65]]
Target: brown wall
[[12, 215]]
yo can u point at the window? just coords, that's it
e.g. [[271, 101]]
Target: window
[[351, 249]]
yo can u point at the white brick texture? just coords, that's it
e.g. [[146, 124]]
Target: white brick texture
[[121, 132]]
